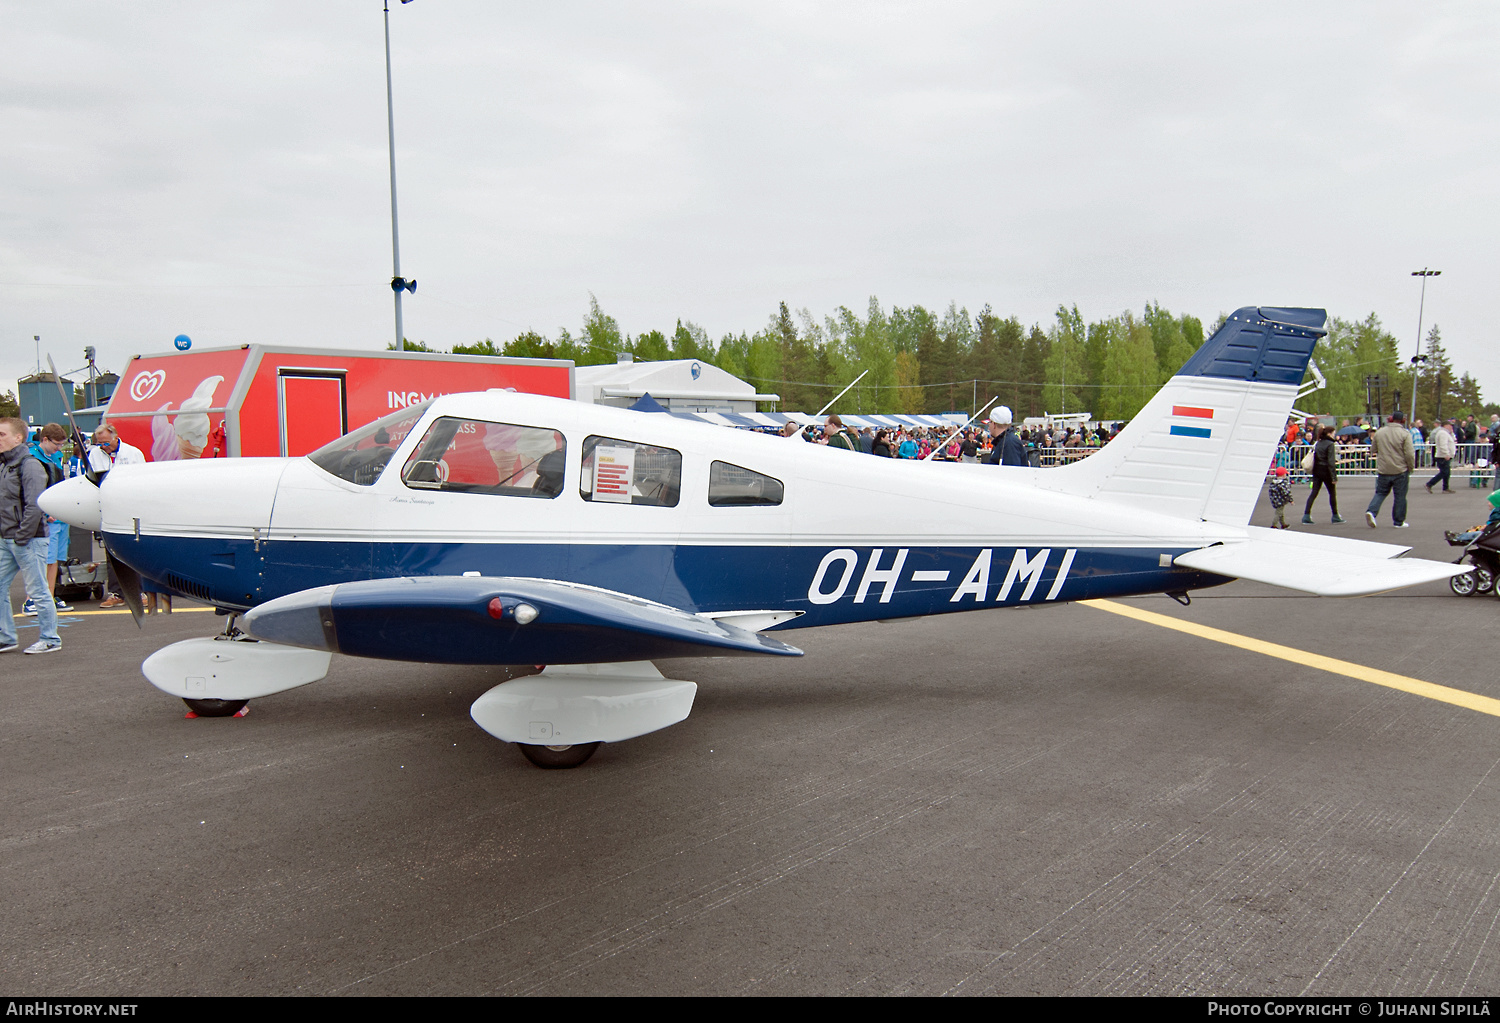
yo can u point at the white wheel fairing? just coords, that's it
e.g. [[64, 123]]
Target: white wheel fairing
[[568, 705], [218, 669]]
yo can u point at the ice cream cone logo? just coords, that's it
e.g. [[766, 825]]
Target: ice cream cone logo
[[146, 384], [192, 421], [189, 435]]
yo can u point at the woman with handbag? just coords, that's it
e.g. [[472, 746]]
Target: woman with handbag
[[1325, 458]]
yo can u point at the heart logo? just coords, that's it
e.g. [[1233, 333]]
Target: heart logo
[[146, 384]]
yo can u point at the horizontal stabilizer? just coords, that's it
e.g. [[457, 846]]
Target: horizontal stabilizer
[[494, 620], [1318, 542], [1326, 566]]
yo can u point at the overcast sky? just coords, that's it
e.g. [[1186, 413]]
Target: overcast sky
[[220, 169]]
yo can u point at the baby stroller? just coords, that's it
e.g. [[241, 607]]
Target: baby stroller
[[1481, 546], [1482, 550]]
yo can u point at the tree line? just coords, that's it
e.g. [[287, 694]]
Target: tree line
[[924, 361]]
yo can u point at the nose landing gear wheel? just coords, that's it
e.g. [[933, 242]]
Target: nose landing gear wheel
[[215, 708], [557, 757]]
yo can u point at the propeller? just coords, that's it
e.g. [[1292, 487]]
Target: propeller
[[130, 585], [78, 441]]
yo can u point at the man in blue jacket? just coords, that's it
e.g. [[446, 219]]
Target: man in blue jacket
[[47, 449]]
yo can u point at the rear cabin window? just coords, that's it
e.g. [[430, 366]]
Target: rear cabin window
[[360, 457], [731, 485], [626, 472], [471, 456]]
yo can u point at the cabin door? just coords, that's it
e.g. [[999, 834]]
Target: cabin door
[[313, 408]]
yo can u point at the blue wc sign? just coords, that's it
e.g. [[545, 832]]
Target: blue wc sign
[[182, 342]]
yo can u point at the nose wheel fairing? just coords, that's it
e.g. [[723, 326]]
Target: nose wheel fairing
[[220, 668]]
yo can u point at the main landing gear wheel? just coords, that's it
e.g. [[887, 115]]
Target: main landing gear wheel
[[555, 757], [217, 708]]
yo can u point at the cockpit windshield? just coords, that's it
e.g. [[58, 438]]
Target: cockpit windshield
[[359, 457]]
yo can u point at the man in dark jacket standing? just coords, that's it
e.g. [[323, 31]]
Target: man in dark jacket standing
[[23, 538], [1008, 449], [839, 436]]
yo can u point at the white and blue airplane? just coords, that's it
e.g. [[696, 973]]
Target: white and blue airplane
[[505, 528]]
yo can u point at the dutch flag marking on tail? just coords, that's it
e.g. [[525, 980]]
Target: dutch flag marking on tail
[[1178, 430]]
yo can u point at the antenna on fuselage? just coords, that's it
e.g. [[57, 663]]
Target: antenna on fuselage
[[943, 443], [836, 397]]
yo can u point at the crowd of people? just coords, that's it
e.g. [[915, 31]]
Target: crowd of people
[[1395, 450], [1426, 439], [998, 442], [32, 544]]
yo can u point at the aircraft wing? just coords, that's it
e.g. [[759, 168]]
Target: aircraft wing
[[1328, 566], [494, 620]]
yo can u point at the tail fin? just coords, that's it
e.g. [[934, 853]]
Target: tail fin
[[1200, 447]]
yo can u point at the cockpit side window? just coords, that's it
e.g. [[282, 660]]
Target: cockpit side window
[[360, 457], [731, 485], [472, 456], [627, 472]]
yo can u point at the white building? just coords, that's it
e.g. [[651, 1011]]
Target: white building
[[682, 385]]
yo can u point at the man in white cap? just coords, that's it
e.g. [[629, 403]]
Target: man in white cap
[[1008, 449]]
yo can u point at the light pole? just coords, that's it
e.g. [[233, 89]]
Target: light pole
[[1419, 358], [398, 283]]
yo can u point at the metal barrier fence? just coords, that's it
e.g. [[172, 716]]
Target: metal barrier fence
[[1047, 458], [1470, 466], [1471, 463]]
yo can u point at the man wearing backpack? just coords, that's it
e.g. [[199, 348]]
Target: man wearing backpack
[[23, 538], [47, 449], [838, 435]]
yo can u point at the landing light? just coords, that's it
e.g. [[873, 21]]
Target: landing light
[[524, 614]]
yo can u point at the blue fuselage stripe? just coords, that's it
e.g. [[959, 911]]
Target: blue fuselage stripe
[[831, 585]]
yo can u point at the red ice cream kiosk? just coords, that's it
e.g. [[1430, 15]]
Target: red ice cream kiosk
[[287, 401]]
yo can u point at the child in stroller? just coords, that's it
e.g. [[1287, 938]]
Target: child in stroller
[[1481, 546]]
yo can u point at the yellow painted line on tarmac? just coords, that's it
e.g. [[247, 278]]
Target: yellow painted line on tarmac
[[126, 611], [1430, 690]]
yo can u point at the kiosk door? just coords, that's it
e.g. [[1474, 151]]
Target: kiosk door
[[313, 409]]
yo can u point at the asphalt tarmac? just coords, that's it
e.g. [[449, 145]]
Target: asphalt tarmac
[[1051, 801]]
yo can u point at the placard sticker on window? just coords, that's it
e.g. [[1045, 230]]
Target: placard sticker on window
[[613, 470]]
